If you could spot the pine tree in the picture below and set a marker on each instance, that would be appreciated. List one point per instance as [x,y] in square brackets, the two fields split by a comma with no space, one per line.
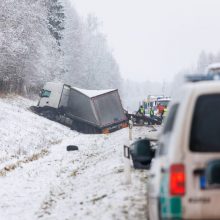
[56,19]
[29,53]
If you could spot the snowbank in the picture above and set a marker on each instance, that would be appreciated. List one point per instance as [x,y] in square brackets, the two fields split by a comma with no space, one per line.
[39,179]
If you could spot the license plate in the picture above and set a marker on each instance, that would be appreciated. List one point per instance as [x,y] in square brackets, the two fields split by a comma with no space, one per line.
[202,181]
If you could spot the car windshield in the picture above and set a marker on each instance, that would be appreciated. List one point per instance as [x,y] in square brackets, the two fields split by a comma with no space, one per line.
[205,131]
[164,103]
[45,93]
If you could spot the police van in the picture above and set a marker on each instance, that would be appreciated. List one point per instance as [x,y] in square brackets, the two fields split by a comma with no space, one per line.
[184,177]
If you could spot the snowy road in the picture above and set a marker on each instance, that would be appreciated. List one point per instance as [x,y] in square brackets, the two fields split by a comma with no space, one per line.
[39,179]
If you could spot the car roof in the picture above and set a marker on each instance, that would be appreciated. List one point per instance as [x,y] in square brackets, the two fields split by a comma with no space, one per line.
[197,88]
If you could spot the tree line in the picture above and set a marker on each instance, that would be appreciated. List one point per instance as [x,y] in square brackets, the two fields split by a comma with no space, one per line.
[43,40]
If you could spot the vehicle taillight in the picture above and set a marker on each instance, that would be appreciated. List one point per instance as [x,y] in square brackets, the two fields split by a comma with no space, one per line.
[177,180]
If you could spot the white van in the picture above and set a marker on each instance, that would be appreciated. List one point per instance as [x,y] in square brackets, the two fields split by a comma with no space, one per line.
[184,178]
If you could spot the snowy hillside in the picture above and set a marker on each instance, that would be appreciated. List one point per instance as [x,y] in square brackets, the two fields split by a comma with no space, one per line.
[39,179]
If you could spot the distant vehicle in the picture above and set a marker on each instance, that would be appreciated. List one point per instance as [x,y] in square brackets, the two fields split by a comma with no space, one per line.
[184,180]
[150,102]
[213,71]
[87,111]
[142,120]
[162,103]
[158,103]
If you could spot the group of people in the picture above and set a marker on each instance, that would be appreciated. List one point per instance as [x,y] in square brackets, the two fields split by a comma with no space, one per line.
[162,111]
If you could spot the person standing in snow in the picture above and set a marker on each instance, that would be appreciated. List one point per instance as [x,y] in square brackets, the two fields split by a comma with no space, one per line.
[165,111]
[141,110]
[151,112]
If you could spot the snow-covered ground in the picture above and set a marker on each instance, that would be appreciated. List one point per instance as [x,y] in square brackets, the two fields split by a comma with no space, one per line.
[39,179]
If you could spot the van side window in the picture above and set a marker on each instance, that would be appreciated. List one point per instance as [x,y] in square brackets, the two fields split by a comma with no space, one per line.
[170,119]
[168,127]
[205,129]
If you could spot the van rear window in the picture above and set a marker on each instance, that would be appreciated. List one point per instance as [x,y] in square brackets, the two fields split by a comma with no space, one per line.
[205,130]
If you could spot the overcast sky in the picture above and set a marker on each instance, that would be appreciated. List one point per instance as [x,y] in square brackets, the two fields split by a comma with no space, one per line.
[155,39]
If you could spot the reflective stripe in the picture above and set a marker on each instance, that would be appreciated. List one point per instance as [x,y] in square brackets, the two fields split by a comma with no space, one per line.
[142,110]
[170,206]
[165,112]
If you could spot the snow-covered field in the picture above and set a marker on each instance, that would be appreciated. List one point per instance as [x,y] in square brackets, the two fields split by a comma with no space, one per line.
[39,179]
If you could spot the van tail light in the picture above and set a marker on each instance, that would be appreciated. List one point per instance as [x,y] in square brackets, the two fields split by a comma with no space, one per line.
[177,180]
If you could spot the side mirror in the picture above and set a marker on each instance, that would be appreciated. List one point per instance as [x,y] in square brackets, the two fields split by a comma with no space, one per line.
[142,152]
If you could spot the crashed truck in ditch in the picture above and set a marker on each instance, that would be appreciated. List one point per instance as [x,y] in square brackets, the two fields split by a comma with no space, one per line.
[87,111]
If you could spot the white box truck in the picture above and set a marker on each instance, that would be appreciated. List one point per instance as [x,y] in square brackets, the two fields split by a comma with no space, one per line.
[87,111]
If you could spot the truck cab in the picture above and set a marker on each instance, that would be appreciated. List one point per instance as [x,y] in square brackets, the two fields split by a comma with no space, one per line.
[54,95]
[87,111]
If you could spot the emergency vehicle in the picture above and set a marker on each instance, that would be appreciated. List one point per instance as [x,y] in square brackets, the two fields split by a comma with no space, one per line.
[158,103]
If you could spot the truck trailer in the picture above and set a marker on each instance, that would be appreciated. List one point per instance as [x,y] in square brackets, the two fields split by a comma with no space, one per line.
[87,111]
